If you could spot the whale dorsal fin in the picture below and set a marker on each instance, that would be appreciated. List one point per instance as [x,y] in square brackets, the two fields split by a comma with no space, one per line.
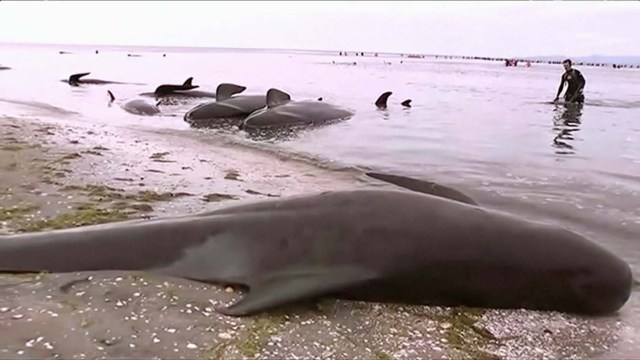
[406,103]
[76,77]
[276,97]
[187,83]
[226,90]
[381,103]
[111,97]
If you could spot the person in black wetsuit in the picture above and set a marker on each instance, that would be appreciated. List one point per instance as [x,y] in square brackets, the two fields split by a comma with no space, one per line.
[575,82]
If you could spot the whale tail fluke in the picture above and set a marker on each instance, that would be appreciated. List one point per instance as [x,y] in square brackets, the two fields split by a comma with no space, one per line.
[406,103]
[111,97]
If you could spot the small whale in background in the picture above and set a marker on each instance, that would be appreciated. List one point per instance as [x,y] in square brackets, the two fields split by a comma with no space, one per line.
[381,102]
[64,52]
[136,106]
[184,90]
[77,79]
[133,55]
[4,67]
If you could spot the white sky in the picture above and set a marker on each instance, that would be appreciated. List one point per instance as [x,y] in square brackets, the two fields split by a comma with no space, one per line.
[492,28]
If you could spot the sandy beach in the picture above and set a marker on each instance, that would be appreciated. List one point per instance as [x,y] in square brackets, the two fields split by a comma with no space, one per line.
[59,176]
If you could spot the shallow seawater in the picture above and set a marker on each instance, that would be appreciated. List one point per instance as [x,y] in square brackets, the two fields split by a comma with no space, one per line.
[477,126]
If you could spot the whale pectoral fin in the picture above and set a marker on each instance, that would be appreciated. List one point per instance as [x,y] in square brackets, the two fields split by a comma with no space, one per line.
[424,186]
[276,97]
[76,77]
[290,286]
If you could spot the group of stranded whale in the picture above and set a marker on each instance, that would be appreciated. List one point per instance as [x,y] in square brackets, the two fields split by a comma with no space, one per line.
[421,243]
[228,106]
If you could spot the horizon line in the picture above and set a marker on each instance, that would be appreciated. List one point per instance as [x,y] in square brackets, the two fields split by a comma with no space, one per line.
[537,57]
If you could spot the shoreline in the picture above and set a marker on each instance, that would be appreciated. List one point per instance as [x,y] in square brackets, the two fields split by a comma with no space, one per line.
[60,175]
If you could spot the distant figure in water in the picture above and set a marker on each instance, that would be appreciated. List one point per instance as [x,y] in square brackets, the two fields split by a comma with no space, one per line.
[96,51]
[575,81]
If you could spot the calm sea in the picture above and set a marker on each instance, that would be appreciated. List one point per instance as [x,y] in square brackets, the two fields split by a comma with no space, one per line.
[478,126]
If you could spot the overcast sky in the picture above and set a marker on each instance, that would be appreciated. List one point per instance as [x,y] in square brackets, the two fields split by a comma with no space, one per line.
[494,28]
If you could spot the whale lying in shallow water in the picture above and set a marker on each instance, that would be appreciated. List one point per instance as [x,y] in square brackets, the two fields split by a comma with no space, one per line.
[136,106]
[281,111]
[228,109]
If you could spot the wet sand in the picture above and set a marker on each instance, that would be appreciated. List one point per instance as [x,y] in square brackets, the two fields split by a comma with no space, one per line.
[56,176]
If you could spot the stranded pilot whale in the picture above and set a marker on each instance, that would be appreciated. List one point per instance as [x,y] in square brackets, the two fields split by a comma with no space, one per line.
[281,111]
[227,109]
[366,245]
[184,90]
[77,79]
[137,106]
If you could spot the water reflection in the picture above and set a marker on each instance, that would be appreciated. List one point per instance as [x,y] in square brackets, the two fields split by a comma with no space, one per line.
[566,121]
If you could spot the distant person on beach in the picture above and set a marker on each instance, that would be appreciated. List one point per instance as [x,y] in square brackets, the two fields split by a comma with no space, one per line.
[575,81]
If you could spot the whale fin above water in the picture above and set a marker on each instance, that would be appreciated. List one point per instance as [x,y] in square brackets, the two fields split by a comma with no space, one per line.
[111,97]
[170,88]
[406,103]
[381,103]
[293,285]
[424,186]
[276,97]
[76,77]
[187,83]
[225,90]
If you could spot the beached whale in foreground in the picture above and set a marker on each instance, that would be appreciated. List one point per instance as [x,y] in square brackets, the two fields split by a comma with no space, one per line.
[136,106]
[369,245]
[228,109]
[281,111]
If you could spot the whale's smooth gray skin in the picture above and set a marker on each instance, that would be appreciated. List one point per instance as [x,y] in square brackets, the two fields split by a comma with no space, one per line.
[281,111]
[186,90]
[423,186]
[369,245]
[228,109]
[78,79]
[136,106]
